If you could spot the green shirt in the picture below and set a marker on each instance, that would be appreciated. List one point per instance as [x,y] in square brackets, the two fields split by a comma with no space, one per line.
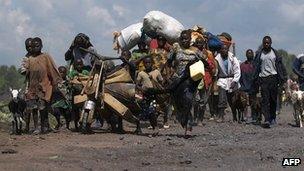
[73,73]
[136,55]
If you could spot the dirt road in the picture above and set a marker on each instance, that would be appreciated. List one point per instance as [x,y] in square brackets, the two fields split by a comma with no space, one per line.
[224,146]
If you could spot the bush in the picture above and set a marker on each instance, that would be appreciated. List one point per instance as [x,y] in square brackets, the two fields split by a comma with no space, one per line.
[5,115]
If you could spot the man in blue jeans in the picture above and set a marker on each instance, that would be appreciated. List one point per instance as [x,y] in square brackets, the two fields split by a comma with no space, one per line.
[270,73]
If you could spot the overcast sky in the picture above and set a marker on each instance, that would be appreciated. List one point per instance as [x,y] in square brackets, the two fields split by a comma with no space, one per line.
[58,21]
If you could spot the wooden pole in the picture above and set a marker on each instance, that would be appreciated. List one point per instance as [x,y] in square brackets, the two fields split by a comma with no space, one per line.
[99,78]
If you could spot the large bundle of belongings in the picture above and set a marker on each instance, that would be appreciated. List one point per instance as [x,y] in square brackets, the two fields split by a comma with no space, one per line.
[214,42]
[128,37]
[155,23]
[118,92]
[197,32]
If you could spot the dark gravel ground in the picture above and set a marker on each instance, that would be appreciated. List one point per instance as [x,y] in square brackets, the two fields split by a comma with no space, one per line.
[214,146]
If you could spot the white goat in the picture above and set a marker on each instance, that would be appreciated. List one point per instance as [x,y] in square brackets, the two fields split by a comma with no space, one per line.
[297,98]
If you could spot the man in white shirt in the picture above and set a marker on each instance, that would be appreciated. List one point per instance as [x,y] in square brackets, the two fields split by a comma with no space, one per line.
[270,73]
[229,74]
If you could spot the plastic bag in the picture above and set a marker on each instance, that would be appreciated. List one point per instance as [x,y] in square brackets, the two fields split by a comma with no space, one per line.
[128,37]
[214,43]
[158,23]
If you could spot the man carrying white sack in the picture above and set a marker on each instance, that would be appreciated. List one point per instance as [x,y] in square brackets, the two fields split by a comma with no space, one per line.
[229,74]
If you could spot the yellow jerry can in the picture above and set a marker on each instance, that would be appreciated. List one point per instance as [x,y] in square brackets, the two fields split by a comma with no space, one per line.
[197,70]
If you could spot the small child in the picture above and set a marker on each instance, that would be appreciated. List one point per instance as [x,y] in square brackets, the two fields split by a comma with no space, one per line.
[79,70]
[146,80]
[24,63]
[62,102]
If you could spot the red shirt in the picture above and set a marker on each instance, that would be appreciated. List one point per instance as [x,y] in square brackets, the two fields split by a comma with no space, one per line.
[154,45]
[210,71]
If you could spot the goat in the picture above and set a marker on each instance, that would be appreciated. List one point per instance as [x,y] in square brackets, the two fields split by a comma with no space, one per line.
[17,107]
[239,103]
[257,108]
[297,98]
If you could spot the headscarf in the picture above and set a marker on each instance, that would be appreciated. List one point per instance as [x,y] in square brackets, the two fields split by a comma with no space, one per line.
[226,38]
[84,37]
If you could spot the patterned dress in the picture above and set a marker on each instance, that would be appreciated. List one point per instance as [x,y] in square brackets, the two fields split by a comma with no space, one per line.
[184,92]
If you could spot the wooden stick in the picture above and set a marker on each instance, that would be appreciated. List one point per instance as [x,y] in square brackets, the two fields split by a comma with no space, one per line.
[98,82]
[90,76]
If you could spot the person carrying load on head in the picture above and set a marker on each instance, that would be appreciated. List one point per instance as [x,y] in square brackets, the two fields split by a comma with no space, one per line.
[180,58]
[74,52]
[204,88]
[213,46]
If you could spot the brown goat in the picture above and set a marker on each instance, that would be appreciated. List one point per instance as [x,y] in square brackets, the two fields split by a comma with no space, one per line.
[239,103]
[256,106]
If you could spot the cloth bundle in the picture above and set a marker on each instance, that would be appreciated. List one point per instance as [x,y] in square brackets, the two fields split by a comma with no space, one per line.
[128,37]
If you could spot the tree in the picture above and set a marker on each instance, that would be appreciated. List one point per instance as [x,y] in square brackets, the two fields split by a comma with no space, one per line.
[10,77]
[287,60]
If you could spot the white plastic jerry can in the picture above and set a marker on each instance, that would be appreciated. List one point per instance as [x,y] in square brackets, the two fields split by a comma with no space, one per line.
[197,70]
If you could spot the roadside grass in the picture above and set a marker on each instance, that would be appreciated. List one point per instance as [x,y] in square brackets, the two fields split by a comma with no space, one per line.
[5,115]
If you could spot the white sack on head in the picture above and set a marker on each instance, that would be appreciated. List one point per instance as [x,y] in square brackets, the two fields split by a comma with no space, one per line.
[128,37]
[159,23]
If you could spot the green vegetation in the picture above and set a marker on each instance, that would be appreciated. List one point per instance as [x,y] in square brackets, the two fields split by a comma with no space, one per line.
[5,116]
[10,77]
[287,60]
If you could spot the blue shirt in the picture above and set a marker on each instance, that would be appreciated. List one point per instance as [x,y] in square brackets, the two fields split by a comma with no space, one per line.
[225,62]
